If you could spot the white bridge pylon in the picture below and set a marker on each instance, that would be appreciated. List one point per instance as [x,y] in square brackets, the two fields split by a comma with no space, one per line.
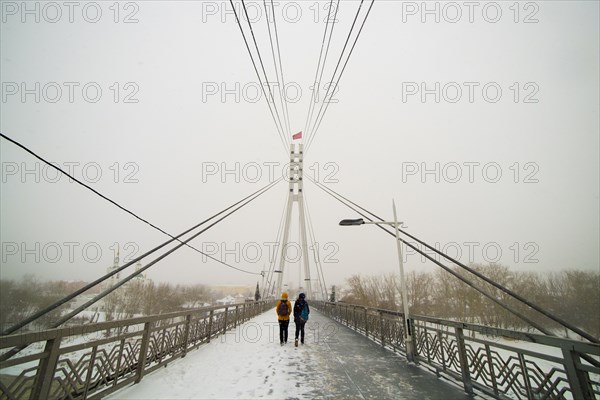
[295,195]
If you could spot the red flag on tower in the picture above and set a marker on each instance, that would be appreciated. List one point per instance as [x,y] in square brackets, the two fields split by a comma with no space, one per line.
[297,136]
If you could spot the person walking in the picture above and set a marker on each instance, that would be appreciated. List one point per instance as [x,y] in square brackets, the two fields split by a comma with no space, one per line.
[283,309]
[301,311]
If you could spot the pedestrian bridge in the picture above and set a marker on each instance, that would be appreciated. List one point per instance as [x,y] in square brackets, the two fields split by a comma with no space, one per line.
[350,352]
[248,362]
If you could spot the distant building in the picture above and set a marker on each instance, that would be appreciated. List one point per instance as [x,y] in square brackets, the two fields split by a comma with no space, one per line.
[141,277]
[194,304]
[233,289]
[113,280]
[227,301]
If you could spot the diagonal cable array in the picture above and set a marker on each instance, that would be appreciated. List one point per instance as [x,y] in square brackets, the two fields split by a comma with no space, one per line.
[342,200]
[335,80]
[313,240]
[311,125]
[322,60]
[109,290]
[250,198]
[273,263]
[272,108]
[132,262]
[270,98]
[117,204]
[348,203]
[278,65]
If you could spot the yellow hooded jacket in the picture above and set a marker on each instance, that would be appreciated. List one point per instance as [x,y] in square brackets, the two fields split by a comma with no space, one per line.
[284,297]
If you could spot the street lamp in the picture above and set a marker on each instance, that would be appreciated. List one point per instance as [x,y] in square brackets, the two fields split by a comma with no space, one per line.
[407,328]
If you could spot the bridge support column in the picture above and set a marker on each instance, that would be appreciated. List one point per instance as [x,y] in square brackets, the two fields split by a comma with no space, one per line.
[295,195]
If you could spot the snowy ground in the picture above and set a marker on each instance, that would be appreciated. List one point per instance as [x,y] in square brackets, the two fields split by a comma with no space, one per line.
[249,363]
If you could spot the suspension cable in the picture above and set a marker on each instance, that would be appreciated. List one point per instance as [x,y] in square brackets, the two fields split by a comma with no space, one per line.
[90,285]
[275,252]
[336,69]
[282,136]
[447,269]
[319,266]
[107,291]
[156,260]
[262,65]
[321,63]
[278,67]
[81,183]
[325,104]
[491,282]
[117,204]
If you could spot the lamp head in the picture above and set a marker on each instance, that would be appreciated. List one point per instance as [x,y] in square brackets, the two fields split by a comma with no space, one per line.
[349,222]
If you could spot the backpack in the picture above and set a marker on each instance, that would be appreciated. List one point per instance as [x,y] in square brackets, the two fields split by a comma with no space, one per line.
[283,309]
[304,312]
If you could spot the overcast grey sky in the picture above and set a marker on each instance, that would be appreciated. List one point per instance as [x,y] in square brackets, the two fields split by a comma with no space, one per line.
[482,125]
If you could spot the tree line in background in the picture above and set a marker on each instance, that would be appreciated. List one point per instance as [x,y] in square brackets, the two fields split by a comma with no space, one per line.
[149,298]
[19,299]
[571,295]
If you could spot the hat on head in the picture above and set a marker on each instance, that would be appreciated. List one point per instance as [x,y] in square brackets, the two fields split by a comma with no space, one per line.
[302,295]
[284,295]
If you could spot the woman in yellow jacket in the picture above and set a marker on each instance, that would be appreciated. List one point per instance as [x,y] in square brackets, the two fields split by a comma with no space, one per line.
[283,309]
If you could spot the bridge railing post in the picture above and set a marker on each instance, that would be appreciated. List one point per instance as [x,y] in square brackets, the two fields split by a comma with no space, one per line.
[139,373]
[427,347]
[119,360]
[526,382]
[381,328]
[210,325]
[578,379]
[366,322]
[440,336]
[490,362]
[464,361]
[225,320]
[45,374]
[410,345]
[90,371]
[162,351]
[186,333]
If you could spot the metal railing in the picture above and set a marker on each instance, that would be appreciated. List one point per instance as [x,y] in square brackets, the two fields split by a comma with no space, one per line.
[501,363]
[91,361]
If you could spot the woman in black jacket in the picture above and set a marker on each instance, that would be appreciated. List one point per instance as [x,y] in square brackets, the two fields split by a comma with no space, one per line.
[301,311]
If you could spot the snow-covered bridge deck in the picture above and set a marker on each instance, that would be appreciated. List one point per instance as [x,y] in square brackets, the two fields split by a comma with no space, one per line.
[248,363]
